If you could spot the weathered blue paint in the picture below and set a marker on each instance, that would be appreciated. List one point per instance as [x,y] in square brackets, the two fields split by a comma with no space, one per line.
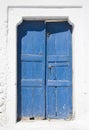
[31,36]
[44,69]
[59,70]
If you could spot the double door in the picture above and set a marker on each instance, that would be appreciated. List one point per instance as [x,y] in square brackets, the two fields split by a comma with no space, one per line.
[44,69]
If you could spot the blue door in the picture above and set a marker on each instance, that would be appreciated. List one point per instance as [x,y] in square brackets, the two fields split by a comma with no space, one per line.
[44,70]
[59,70]
[31,84]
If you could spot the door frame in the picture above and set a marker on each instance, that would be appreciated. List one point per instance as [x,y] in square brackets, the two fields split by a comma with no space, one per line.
[59,14]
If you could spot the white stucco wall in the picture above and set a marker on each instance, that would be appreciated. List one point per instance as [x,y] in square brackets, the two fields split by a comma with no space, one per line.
[11,13]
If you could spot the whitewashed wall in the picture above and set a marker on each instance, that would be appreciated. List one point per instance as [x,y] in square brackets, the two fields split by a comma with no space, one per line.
[11,12]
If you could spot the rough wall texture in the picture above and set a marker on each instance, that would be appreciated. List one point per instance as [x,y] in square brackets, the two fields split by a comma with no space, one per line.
[3,69]
[3,49]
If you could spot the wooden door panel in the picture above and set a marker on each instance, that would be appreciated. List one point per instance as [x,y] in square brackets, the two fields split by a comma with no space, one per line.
[59,70]
[31,84]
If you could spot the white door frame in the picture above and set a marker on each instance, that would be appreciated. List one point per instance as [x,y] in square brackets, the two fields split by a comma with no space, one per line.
[15,17]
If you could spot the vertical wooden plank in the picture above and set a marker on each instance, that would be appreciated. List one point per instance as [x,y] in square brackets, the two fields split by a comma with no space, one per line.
[59,44]
[64,103]
[26,92]
[50,74]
